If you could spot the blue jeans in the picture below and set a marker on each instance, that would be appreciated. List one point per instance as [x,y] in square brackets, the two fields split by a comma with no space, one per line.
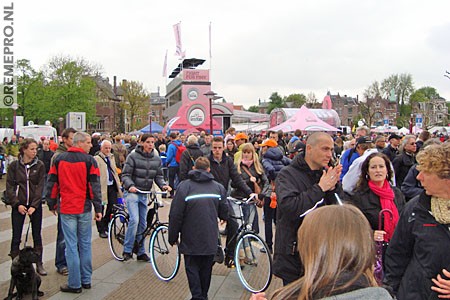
[77,235]
[137,210]
[60,254]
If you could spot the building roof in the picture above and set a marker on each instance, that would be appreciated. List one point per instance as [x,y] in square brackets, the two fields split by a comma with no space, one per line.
[189,63]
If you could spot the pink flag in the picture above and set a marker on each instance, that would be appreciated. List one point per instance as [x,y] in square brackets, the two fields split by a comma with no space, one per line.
[165,66]
[177,32]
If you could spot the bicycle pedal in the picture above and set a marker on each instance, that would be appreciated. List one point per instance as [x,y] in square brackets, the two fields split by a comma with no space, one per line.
[160,204]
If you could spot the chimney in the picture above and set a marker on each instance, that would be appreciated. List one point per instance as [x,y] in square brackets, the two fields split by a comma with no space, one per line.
[115,84]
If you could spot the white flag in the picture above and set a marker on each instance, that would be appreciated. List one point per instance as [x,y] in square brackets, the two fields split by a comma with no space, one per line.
[177,32]
[165,66]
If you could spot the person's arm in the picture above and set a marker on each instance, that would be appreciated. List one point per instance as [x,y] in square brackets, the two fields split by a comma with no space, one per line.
[176,213]
[11,184]
[36,199]
[351,178]
[400,250]
[236,178]
[94,182]
[127,172]
[223,204]
[171,152]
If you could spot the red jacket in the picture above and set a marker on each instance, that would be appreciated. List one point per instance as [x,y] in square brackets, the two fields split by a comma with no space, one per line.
[75,177]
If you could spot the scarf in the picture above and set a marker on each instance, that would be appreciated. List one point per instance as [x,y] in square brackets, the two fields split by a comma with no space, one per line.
[247,163]
[386,195]
[440,208]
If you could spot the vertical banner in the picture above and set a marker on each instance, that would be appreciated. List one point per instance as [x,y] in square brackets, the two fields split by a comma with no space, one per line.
[8,91]
[164,74]
[177,31]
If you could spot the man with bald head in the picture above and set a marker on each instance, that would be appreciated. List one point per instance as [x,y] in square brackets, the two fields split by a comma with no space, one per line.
[305,184]
[109,183]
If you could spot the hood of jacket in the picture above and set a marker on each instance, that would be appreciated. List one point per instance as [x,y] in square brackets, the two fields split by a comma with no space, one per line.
[32,163]
[194,146]
[274,153]
[200,176]
[139,149]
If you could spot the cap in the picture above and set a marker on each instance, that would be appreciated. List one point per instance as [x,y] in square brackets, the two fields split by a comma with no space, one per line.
[299,147]
[394,136]
[363,140]
[241,136]
[268,143]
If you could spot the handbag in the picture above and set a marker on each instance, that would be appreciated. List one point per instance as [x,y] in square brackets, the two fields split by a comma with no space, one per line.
[5,198]
[257,189]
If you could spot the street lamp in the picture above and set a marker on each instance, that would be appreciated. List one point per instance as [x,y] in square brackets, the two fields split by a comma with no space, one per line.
[14,106]
[211,96]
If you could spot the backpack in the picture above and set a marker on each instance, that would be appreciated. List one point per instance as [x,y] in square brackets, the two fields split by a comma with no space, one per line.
[180,150]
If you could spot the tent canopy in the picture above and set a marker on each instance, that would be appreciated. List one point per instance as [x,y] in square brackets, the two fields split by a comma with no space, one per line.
[155,128]
[304,120]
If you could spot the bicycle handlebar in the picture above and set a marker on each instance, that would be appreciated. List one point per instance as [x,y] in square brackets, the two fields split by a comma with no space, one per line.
[151,192]
[244,200]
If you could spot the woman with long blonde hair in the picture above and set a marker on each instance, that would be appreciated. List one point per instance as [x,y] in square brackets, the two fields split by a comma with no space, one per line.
[252,172]
[337,250]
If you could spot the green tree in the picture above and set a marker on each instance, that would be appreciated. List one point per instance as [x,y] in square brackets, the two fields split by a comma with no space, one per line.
[403,87]
[253,108]
[136,103]
[297,100]
[276,101]
[373,91]
[64,85]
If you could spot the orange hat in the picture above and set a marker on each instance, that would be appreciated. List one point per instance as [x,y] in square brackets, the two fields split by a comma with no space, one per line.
[269,143]
[241,136]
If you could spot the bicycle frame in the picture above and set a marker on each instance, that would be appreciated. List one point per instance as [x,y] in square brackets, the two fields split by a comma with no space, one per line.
[245,225]
[151,198]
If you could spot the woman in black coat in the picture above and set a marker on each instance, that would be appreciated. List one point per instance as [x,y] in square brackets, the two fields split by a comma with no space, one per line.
[374,193]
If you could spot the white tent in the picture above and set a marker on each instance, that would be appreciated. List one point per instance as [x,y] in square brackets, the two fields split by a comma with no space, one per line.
[403,131]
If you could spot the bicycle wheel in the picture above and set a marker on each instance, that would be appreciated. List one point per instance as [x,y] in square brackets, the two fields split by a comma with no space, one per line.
[117,228]
[165,259]
[255,271]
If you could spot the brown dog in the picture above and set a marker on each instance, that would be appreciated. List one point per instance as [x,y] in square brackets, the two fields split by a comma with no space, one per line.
[23,275]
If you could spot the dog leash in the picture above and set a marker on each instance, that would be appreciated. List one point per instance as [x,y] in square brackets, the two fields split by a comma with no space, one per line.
[28,230]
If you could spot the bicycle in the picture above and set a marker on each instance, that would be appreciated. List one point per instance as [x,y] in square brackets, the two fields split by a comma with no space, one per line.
[164,258]
[251,249]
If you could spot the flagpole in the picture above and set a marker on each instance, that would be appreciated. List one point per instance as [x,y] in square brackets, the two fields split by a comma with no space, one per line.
[210,56]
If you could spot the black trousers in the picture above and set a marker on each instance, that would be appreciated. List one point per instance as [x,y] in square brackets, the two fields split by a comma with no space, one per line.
[198,271]
[174,172]
[17,221]
[269,218]
[102,225]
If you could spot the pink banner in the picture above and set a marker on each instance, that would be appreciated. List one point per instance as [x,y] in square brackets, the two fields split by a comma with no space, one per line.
[177,32]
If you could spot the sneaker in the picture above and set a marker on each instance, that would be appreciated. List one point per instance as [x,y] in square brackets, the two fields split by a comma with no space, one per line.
[143,257]
[127,256]
[63,271]
[103,235]
[66,289]
[86,286]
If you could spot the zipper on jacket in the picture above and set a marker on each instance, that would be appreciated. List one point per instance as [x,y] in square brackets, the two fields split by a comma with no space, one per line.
[27,172]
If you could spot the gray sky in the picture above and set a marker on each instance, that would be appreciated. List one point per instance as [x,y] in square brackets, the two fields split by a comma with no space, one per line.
[258,47]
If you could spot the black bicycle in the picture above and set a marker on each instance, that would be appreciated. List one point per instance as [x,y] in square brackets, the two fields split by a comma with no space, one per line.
[251,253]
[164,258]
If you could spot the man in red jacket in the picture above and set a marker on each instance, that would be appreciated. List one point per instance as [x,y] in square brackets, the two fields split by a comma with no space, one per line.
[74,176]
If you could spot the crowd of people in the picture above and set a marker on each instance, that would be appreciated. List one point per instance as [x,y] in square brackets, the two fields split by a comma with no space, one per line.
[395,191]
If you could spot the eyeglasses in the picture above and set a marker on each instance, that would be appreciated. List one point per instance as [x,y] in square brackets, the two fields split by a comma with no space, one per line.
[412,144]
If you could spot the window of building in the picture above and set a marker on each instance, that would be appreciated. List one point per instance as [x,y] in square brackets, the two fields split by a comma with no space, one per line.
[350,110]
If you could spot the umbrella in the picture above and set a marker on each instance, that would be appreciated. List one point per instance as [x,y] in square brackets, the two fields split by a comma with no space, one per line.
[378,271]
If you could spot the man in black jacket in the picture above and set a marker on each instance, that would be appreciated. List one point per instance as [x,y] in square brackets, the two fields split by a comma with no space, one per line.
[223,169]
[189,156]
[301,187]
[199,201]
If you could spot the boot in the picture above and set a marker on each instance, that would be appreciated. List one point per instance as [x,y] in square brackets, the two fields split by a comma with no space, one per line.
[39,265]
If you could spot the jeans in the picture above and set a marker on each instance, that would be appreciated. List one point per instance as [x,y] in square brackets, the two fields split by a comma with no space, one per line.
[17,220]
[137,210]
[77,234]
[60,254]
[173,175]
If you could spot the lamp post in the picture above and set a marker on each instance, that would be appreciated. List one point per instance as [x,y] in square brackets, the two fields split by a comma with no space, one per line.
[211,96]
[60,119]
[14,106]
